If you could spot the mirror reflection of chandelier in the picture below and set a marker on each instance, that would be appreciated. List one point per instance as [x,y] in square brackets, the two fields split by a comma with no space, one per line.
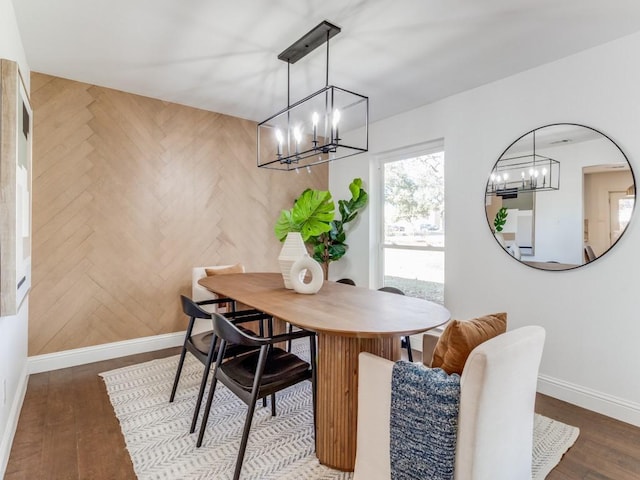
[327,125]
[529,172]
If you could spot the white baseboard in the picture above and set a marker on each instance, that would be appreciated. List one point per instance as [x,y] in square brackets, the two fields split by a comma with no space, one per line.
[12,422]
[599,402]
[98,353]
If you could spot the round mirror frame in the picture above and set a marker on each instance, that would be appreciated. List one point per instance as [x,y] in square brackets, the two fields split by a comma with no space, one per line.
[490,187]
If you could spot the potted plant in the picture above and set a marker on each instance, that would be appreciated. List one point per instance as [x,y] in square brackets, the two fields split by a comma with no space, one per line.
[330,246]
[312,216]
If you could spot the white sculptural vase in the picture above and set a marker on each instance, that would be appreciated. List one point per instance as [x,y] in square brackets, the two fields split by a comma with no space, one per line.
[292,250]
[306,265]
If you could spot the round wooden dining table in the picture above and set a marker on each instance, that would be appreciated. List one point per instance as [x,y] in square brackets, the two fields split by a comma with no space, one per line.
[347,320]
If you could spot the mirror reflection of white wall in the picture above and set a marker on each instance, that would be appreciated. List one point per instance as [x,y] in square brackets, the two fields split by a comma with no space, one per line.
[561,214]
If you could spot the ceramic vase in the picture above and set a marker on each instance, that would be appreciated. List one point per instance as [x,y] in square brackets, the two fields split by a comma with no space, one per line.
[302,266]
[292,250]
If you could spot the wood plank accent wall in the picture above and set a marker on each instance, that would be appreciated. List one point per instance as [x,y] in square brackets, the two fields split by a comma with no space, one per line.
[130,193]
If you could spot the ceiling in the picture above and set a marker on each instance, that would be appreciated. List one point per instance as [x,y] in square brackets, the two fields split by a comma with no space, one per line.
[222,55]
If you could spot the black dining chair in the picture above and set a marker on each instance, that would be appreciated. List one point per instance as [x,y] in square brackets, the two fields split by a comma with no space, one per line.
[406,340]
[204,346]
[257,374]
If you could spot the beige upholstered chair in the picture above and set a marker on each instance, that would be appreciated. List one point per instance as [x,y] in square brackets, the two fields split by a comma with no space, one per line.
[198,292]
[495,421]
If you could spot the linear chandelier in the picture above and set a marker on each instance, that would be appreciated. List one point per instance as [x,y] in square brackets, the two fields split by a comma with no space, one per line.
[524,173]
[327,125]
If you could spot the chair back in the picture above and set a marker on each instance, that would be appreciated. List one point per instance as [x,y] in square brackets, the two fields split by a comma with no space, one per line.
[495,421]
[198,292]
[346,281]
[190,309]
[498,391]
[229,333]
[391,290]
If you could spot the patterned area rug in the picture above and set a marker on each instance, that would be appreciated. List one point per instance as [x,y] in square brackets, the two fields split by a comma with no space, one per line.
[157,438]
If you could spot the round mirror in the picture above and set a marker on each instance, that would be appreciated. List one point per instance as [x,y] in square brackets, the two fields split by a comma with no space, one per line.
[560,196]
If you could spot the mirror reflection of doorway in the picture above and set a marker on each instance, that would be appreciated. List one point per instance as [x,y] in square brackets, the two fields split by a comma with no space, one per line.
[607,207]
[620,209]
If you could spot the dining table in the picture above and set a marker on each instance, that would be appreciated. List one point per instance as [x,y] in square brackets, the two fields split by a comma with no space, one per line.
[347,320]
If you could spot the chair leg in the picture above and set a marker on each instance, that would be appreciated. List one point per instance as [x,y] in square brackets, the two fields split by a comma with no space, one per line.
[203,383]
[207,409]
[178,372]
[407,339]
[245,437]
[273,405]
[289,331]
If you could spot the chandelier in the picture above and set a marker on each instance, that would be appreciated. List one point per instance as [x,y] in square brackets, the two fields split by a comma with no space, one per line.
[327,125]
[529,172]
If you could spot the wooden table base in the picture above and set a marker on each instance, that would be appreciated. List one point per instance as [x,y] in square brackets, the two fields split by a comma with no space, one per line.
[337,413]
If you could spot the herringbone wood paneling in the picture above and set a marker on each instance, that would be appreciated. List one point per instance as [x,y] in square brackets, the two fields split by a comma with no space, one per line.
[129,193]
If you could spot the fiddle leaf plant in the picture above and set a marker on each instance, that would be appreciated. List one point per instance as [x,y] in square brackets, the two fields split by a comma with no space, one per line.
[330,245]
[500,219]
[311,215]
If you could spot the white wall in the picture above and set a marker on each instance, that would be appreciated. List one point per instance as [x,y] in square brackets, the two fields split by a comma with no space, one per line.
[13,330]
[591,314]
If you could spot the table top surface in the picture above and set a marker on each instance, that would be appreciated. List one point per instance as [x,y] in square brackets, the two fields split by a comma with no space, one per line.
[337,308]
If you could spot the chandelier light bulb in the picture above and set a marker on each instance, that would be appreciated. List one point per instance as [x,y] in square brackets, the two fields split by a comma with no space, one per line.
[279,139]
[297,134]
[314,119]
[336,118]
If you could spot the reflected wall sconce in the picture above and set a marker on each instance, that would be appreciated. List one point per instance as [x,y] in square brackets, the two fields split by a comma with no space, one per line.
[524,173]
[327,125]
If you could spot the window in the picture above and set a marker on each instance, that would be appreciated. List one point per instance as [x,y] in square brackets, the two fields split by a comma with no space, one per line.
[413,224]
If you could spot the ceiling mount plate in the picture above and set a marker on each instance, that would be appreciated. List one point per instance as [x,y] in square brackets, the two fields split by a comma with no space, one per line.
[309,42]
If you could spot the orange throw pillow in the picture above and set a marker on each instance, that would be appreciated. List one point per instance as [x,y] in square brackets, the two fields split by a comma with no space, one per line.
[460,337]
[237,268]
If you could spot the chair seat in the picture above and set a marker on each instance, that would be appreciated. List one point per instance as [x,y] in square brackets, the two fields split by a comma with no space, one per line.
[202,342]
[280,365]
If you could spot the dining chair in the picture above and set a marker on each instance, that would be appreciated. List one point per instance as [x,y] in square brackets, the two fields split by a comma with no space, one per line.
[204,345]
[589,254]
[406,340]
[257,374]
[495,417]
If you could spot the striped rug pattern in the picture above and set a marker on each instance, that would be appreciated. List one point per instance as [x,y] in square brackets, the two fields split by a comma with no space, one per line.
[282,447]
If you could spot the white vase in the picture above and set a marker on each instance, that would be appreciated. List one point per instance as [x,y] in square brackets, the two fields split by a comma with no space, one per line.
[303,265]
[292,250]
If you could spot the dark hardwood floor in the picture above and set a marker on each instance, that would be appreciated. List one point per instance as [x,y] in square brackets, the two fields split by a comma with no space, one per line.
[67,430]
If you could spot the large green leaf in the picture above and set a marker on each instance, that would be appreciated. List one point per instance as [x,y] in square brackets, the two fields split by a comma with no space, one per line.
[284,225]
[313,212]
